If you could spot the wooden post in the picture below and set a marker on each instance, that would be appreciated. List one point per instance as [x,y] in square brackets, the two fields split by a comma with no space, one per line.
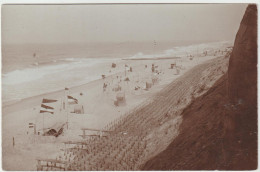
[13,142]
[42,123]
[39,166]
[125,71]
[67,92]
[84,134]
[34,129]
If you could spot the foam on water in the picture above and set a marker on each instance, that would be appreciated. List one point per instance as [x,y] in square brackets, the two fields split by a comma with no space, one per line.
[37,72]
[30,74]
[45,78]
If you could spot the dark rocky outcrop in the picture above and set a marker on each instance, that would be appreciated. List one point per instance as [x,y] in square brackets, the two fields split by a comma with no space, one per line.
[219,129]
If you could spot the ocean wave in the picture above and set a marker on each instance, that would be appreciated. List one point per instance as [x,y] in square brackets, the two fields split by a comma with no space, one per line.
[69,59]
[19,76]
[183,50]
[48,68]
[33,81]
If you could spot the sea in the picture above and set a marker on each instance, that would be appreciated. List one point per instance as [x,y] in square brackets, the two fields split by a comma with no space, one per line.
[33,69]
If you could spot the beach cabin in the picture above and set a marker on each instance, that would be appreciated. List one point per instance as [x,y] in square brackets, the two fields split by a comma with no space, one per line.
[229,48]
[120,99]
[173,65]
[118,88]
[148,85]
[113,65]
[177,71]
[78,109]
[137,87]
[153,68]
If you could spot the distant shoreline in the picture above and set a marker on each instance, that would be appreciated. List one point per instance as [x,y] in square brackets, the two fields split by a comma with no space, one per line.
[156,58]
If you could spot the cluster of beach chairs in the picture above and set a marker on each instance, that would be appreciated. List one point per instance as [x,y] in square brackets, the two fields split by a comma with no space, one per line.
[105,153]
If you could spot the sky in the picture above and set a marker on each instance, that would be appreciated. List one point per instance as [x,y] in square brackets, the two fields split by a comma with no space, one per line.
[57,24]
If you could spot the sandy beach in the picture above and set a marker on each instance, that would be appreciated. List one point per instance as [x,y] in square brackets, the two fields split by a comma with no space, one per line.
[99,108]
[129,87]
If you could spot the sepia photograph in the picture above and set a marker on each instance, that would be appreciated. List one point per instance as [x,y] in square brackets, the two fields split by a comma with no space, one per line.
[129,86]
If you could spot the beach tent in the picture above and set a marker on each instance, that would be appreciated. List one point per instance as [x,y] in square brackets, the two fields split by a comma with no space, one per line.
[113,65]
[120,99]
[54,130]
[118,88]
[78,109]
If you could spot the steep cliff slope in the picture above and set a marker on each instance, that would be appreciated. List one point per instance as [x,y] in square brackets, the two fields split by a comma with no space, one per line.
[219,129]
[242,71]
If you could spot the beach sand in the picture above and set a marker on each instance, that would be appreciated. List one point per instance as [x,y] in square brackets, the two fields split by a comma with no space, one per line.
[99,110]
